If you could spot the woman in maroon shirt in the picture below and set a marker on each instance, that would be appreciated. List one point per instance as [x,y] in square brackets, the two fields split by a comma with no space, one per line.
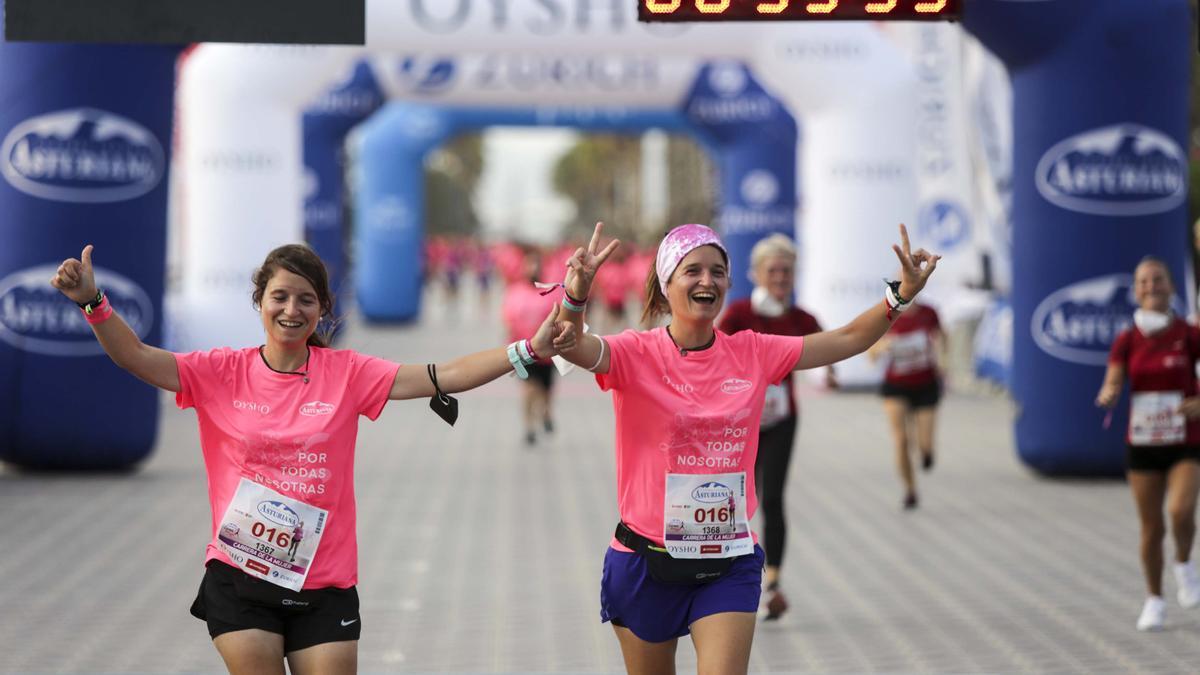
[1159,353]
[769,309]
[912,388]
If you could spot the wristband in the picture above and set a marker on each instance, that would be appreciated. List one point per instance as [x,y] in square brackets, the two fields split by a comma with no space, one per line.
[517,363]
[600,358]
[571,304]
[533,356]
[525,351]
[96,313]
[94,302]
[892,298]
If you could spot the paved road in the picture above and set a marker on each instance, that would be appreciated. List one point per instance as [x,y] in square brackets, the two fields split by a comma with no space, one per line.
[479,555]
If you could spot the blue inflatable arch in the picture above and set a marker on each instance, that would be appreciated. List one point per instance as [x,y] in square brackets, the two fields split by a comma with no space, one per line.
[749,134]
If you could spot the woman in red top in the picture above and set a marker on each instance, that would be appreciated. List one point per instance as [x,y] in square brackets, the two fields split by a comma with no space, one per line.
[769,309]
[912,387]
[1159,353]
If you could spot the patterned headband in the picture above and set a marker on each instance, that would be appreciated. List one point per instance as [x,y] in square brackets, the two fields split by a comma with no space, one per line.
[677,244]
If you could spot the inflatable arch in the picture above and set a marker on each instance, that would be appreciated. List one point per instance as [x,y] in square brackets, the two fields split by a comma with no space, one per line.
[242,185]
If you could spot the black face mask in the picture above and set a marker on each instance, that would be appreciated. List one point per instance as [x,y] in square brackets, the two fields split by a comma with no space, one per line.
[442,404]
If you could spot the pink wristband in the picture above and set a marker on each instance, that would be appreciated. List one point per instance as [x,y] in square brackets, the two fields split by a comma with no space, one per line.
[529,348]
[99,314]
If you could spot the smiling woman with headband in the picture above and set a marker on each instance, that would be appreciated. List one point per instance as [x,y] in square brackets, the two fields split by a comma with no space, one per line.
[688,402]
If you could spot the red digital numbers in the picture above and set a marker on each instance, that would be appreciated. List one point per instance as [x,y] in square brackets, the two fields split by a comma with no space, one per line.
[279,538]
[718,10]
[713,515]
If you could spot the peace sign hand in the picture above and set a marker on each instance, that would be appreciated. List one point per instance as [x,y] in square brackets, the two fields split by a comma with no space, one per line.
[582,265]
[915,266]
[75,278]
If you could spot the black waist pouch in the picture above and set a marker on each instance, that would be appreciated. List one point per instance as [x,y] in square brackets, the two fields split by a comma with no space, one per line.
[665,569]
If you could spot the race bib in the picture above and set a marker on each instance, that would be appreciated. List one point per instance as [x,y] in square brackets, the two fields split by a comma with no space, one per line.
[1154,418]
[704,516]
[775,405]
[270,536]
[911,353]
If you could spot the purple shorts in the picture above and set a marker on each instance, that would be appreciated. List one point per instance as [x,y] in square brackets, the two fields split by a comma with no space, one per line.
[657,612]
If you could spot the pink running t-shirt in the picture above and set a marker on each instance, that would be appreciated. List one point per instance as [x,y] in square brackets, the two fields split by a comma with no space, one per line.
[295,438]
[693,414]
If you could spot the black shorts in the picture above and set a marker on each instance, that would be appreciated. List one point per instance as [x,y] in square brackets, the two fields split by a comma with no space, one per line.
[231,600]
[1159,457]
[921,396]
[542,374]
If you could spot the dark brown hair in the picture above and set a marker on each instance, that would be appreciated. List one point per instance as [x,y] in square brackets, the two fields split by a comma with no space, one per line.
[300,260]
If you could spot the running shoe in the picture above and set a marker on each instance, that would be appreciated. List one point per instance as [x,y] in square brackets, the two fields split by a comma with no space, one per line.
[910,501]
[1154,614]
[927,462]
[548,425]
[1189,585]
[530,438]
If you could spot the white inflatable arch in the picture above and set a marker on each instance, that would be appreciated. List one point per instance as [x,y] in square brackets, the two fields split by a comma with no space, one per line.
[861,96]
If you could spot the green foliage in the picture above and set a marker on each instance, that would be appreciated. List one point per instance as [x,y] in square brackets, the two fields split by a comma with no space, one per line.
[451,174]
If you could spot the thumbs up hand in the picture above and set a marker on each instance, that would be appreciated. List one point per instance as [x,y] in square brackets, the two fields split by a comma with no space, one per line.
[75,278]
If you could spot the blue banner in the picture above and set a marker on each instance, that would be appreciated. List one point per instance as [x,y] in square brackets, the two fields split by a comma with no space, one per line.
[325,125]
[86,139]
[1100,97]
[755,141]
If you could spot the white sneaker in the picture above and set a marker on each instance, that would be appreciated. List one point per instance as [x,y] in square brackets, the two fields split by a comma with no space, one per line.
[1189,585]
[1154,614]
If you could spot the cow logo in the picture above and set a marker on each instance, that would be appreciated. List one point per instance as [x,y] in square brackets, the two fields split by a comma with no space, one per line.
[1077,323]
[82,155]
[943,223]
[760,188]
[727,78]
[35,317]
[1119,170]
[425,74]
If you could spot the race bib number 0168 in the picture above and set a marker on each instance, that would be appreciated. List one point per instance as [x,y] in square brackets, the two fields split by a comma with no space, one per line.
[704,516]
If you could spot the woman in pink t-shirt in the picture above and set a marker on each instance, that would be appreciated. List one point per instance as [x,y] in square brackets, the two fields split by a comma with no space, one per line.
[278,425]
[688,402]
[524,306]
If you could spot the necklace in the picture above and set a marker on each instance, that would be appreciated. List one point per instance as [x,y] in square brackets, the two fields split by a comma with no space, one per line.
[301,373]
[683,351]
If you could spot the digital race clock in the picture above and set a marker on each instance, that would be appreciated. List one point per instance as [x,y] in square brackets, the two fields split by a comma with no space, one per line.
[799,10]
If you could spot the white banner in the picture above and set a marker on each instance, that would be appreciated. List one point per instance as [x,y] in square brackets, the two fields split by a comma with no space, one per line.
[853,92]
[239,191]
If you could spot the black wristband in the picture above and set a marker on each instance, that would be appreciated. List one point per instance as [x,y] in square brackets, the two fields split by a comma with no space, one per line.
[94,302]
[573,300]
[895,286]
